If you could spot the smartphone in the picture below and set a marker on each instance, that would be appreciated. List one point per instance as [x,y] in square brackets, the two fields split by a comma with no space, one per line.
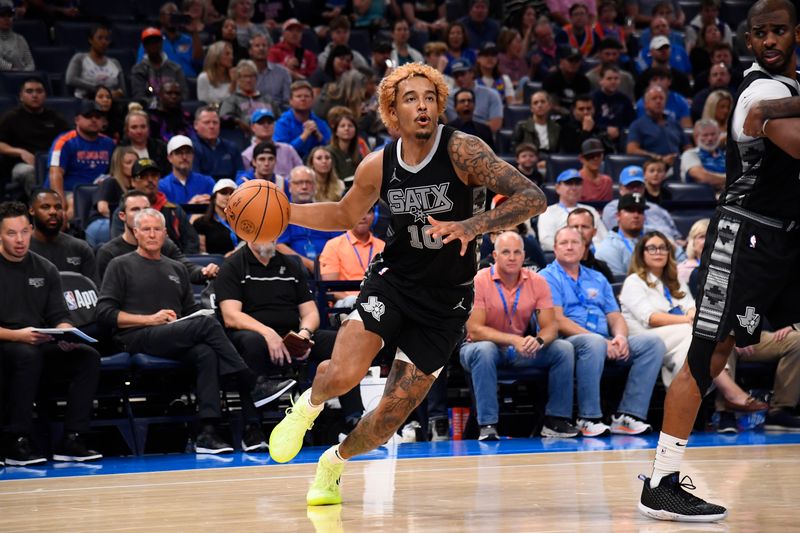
[179,19]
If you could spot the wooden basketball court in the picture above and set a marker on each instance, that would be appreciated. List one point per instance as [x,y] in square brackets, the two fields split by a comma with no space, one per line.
[485,491]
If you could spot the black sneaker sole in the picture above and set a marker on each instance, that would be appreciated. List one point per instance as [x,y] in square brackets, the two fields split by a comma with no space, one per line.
[274,396]
[77,459]
[26,462]
[660,514]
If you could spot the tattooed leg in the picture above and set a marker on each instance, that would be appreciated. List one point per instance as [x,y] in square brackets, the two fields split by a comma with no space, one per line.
[406,387]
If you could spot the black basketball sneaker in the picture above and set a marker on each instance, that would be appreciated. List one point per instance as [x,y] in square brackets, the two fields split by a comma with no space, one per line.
[670,501]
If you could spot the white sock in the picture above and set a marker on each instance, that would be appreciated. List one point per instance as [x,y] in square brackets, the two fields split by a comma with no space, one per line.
[669,455]
[314,407]
[332,455]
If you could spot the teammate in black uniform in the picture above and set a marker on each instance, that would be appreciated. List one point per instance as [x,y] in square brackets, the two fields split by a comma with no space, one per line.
[419,293]
[751,262]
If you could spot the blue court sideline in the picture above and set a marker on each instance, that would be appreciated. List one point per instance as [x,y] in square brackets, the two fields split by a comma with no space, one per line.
[173,462]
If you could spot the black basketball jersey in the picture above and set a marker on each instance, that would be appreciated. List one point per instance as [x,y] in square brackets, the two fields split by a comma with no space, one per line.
[412,193]
[762,178]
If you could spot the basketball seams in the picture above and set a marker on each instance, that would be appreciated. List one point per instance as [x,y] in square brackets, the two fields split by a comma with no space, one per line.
[263,212]
[244,208]
[243,221]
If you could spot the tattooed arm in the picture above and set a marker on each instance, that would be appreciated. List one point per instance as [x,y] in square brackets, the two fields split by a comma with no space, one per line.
[768,110]
[477,165]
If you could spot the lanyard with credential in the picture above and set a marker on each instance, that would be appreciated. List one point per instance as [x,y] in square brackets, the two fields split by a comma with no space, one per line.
[574,284]
[358,256]
[503,299]
[625,240]
[667,295]
[234,237]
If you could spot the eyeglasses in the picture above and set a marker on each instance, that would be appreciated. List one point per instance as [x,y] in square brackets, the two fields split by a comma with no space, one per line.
[656,250]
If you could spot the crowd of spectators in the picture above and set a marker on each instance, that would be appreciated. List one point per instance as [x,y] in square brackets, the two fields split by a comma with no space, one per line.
[606,104]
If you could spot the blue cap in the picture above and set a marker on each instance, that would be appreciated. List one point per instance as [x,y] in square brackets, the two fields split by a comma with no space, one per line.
[567,175]
[631,174]
[258,114]
[460,65]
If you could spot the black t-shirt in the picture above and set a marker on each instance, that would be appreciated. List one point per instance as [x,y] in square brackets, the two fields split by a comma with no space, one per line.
[143,286]
[270,294]
[425,10]
[108,191]
[68,254]
[557,85]
[218,237]
[30,293]
[118,246]
[34,132]
[663,196]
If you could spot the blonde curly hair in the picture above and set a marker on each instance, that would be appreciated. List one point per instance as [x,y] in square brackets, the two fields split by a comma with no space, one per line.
[387,90]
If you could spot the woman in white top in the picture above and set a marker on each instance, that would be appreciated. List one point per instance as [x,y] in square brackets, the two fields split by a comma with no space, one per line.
[87,71]
[694,249]
[653,301]
[214,83]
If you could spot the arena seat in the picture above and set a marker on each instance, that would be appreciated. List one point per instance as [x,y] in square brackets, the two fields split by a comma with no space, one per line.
[127,36]
[502,142]
[558,163]
[53,59]
[684,218]
[83,196]
[614,163]
[360,42]
[34,31]
[73,34]
[690,193]
[734,11]
[691,8]
[11,80]
[528,89]
[514,114]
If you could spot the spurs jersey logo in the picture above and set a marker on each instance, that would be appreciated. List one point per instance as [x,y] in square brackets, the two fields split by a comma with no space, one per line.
[374,307]
[36,282]
[420,201]
[74,261]
[174,279]
[750,319]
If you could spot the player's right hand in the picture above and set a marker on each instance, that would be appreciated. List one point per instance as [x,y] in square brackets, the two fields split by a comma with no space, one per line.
[28,336]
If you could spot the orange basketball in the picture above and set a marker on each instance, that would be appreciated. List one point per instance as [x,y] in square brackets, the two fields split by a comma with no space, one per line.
[258,211]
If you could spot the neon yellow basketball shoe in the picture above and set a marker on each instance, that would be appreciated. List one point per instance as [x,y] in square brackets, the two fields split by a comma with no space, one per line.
[326,488]
[286,439]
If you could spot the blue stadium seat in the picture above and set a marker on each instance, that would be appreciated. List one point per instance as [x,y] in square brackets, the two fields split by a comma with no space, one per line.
[7,102]
[146,362]
[528,90]
[11,81]
[118,362]
[418,39]
[42,167]
[691,192]
[502,142]
[734,11]
[53,59]
[127,36]
[235,136]
[514,114]
[34,31]
[684,218]
[691,8]
[123,10]
[310,41]
[126,58]
[558,163]
[82,198]
[66,105]
[206,259]
[73,34]
[360,42]
[191,83]
[192,105]
[614,163]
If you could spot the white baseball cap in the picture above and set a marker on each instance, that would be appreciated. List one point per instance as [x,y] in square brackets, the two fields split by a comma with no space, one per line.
[658,41]
[224,183]
[179,141]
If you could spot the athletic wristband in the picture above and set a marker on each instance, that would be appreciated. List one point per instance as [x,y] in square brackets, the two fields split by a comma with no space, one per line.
[764,126]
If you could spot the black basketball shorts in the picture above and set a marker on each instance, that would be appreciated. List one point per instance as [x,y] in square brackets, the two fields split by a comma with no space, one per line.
[426,323]
[750,270]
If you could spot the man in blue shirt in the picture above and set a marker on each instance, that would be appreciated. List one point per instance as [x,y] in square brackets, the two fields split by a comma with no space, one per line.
[213,156]
[299,126]
[184,49]
[655,135]
[296,240]
[617,248]
[184,186]
[480,28]
[588,317]
[80,155]
[676,107]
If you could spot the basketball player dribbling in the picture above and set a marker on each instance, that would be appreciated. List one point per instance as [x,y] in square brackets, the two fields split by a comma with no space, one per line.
[751,261]
[417,294]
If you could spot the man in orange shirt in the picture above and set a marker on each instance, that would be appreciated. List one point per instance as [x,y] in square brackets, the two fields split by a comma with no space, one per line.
[347,256]
[597,187]
[513,324]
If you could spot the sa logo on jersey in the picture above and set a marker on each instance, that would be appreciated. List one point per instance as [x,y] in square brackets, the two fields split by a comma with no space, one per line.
[430,199]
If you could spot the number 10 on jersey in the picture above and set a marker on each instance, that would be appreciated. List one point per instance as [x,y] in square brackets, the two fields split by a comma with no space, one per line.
[426,241]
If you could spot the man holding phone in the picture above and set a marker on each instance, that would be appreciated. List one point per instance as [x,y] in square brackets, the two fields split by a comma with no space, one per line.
[185,49]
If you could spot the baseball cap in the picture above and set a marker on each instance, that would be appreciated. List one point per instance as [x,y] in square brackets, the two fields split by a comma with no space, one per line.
[460,65]
[258,114]
[224,183]
[6,10]
[592,146]
[89,107]
[658,41]
[382,46]
[568,52]
[292,22]
[569,175]
[264,147]
[488,49]
[632,201]
[631,174]
[609,42]
[147,33]
[179,141]
[143,165]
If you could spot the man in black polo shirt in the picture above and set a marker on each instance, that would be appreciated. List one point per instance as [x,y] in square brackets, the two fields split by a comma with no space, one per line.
[31,297]
[66,252]
[131,203]
[144,295]
[28,129]
[263,295]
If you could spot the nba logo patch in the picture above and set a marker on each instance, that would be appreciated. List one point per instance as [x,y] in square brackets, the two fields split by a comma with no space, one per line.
[69,297]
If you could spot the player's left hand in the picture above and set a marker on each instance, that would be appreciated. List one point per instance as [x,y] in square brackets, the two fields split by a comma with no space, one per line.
[450,231]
